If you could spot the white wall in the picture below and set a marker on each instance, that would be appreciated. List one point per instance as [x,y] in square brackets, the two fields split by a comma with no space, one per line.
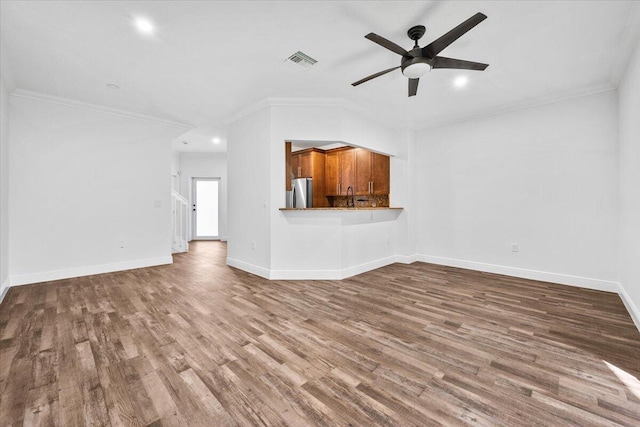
[308,244]
[545,178]
[248,174]
[175,168]
[629,158]
[81,180]
[4,187]
[206,165]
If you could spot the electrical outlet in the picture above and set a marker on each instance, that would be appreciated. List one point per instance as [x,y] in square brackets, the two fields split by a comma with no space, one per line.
[514,247]
[121,243]
[157,204]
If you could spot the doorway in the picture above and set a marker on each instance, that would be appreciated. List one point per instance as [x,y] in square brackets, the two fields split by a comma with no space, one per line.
[205,206]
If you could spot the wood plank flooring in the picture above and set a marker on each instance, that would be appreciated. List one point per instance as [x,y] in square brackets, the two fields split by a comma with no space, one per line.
[199,343]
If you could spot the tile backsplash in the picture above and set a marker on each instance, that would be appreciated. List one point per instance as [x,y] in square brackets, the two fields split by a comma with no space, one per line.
[368,201]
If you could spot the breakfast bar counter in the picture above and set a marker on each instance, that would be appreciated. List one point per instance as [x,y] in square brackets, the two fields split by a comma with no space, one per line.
[368,208]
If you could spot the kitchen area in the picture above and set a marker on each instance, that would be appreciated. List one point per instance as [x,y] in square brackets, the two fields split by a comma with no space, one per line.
[335,176]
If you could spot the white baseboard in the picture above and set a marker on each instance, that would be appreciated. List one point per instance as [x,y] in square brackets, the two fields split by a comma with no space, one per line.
[249,268]
[407,259]
[367,266]
[47,276]
[331,274]
[543,276]
[305,275]
[3,289]
[629,304]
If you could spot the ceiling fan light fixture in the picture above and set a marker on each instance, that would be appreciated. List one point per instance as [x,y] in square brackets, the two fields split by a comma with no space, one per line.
[416,70]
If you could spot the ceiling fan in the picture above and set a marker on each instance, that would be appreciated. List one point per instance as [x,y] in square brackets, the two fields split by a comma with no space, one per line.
[416,62]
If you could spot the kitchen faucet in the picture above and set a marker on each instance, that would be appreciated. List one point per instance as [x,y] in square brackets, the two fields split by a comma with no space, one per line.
[353,202]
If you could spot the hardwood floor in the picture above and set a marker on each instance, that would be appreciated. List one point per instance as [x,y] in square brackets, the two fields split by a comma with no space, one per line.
[199,343]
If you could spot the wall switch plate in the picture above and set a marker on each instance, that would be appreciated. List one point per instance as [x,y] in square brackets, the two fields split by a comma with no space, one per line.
[157,203]
[253,245]
[514,247]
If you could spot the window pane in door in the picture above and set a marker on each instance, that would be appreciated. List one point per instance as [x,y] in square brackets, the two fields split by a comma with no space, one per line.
[207,208]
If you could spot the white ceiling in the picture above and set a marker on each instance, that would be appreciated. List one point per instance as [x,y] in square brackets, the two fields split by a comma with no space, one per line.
[211,59]
[201,140]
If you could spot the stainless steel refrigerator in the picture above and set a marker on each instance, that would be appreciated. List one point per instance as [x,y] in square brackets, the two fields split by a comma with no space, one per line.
[301,193]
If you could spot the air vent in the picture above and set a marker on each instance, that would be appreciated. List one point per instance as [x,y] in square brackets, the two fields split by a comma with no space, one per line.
[301,60]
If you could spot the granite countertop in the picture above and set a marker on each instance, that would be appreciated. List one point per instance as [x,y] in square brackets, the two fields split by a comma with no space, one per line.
[367,208]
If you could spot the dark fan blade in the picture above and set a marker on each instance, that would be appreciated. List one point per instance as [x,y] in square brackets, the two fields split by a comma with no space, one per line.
[413,86]
[442,62]
[373,76]
[437,46]
[386,43]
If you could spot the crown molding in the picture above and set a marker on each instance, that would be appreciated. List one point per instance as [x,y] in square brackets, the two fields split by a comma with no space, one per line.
[246,111]
[307,102]
[51,99]
[6,75]
[313,102]
[626,44]
[523,105]
[283,102]
[367,113]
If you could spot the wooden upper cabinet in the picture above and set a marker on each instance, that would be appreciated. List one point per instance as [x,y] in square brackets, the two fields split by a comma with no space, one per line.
[367,172]
[306,169]
[372,173]
[340,167]
[363,171]
[317,173]
[380,174]
[347,170]
[288,172]
[295,165]
[310,163]
[332,173]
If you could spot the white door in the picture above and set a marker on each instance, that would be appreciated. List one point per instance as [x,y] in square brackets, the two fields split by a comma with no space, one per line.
[205,205]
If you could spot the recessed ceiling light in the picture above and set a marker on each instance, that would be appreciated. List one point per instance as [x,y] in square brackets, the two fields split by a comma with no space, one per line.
[216,140]
[461,81]
[145,26]
[113,86]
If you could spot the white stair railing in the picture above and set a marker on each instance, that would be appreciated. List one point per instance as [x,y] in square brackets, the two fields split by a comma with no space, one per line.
[180,209]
